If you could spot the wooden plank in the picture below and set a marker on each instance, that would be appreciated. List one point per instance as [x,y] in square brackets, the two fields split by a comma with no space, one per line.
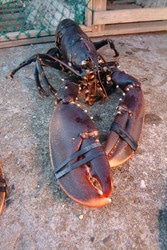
[11,3]
[88,14]
[99,5]
[28,34]
[121,5]
[13,36]
[121,2]
[10,17]
[12,25]
[31,38]
[10,10]
[27,41]
[110,30]
[131,28]
[86,28]
[129,16]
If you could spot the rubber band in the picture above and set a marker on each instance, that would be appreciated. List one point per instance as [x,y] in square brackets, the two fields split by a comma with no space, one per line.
[77,164]
[117,128]
[3,188]
[59,172]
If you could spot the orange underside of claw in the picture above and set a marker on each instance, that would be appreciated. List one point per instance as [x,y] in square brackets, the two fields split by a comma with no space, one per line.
[84,195]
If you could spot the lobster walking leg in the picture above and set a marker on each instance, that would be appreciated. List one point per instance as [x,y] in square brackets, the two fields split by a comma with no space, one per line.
[104,42]
[126,128]
[39,71]
[76,155]
[48,60]
[44,59]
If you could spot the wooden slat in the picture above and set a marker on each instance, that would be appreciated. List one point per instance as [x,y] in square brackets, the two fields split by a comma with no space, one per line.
[129,16]
[32,34]
[114,29]
[121,5]
[88,14]
[131,28]
[28,34]
[9,17]
[10,3]
[122,2]
[23,39]
[26,41]
[10,10]
[99,5]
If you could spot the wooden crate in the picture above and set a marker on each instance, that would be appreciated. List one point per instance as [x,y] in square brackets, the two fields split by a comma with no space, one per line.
[102,19]
[124,18]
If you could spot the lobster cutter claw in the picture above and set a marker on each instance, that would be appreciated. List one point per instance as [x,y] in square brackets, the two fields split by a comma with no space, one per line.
[78,159]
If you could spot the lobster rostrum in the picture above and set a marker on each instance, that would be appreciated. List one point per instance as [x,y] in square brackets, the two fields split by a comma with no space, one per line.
[81,164]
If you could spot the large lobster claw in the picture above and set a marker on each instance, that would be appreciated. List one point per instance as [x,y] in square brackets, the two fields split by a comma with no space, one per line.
[77,157]
[126,129]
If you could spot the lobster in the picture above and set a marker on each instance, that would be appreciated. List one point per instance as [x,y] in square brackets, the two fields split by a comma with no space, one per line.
[81,164]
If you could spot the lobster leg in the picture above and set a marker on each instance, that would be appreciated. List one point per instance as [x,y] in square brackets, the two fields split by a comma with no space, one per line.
[104,42]
[40,60]
[47,60]
[52,62]
[126,128]
[48,57]
[76,155]
[39,70]
[41,90]
[54,52]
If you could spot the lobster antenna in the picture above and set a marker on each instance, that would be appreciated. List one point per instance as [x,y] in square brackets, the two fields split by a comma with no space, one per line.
[65,65]
[101,84]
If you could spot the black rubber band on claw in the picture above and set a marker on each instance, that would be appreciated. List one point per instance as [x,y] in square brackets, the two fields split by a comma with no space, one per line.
[3,188]
[117,128]
[61,171]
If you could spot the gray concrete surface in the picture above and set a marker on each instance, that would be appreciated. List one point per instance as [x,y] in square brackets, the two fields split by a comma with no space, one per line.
[38,214]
